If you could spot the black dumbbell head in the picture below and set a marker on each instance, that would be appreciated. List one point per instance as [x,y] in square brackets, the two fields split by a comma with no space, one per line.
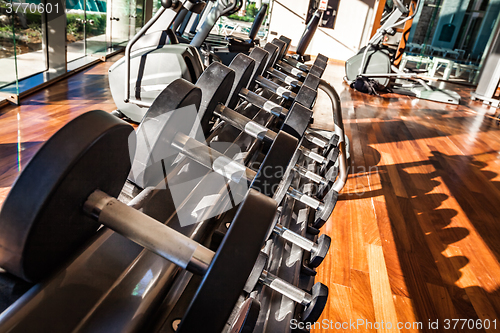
[322,57]
[243,67]
[167,117]
[316,70]
[258,268]
[275,164]
[286,179]
[306,96]
[331,158]
[261,57]
[312,81]
[330,176]
[282,47]
[319,255]
[215,83]
[329,202]
[313,311]
[273,54]
[233,263]
[42,222]
[297,120]
[246,319]
[287,41]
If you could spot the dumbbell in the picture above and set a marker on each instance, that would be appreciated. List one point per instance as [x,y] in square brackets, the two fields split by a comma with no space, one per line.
[320,62]
[313,302]
[68,190]
[214,83]
[306,96]
[330,148]
[170,135]
[315,70]
[237,172]
[296,120]
[264,134]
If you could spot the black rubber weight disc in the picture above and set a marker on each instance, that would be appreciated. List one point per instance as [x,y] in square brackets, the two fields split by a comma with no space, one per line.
[229,270]
[275,164]
[41,222]
[247,317]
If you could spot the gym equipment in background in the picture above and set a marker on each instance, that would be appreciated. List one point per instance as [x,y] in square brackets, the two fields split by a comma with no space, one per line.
[150,63]
[490,74]
[372,70]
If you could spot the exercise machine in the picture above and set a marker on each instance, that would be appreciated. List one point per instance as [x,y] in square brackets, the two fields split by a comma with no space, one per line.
[152,60]
[372,69]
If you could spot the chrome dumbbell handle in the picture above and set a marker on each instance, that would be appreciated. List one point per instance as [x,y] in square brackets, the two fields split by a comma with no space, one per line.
[310,175]
[148,232]
[312,155]
[295,238]
[306,199]
[295,294]
[212,159]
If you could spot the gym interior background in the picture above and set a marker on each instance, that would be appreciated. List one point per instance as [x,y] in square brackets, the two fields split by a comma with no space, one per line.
[414,236]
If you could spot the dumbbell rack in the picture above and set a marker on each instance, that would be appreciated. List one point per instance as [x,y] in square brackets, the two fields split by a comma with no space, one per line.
[294,216]
[112,270]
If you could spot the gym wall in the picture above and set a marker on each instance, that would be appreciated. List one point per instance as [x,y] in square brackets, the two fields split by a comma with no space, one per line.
[352,28]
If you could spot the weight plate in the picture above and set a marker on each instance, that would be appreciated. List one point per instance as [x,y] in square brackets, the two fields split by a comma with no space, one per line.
[329,201]
[167,116]
[42,222]
[243,66]
[260,56]
[275,164]
[215,83]
[247,317]
[231,266]
[287,178]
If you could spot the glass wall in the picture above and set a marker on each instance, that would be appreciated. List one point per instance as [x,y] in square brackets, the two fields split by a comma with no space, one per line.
[85,28]
[240,22]
[449,37]
[21,39]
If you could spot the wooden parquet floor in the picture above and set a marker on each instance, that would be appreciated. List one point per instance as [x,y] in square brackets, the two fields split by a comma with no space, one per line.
[416,231]
[23,129]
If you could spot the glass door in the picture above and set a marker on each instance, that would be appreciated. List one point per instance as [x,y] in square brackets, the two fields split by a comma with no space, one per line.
[136,16]
[85,28]
[119,23]
[75,29]
[95,27]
